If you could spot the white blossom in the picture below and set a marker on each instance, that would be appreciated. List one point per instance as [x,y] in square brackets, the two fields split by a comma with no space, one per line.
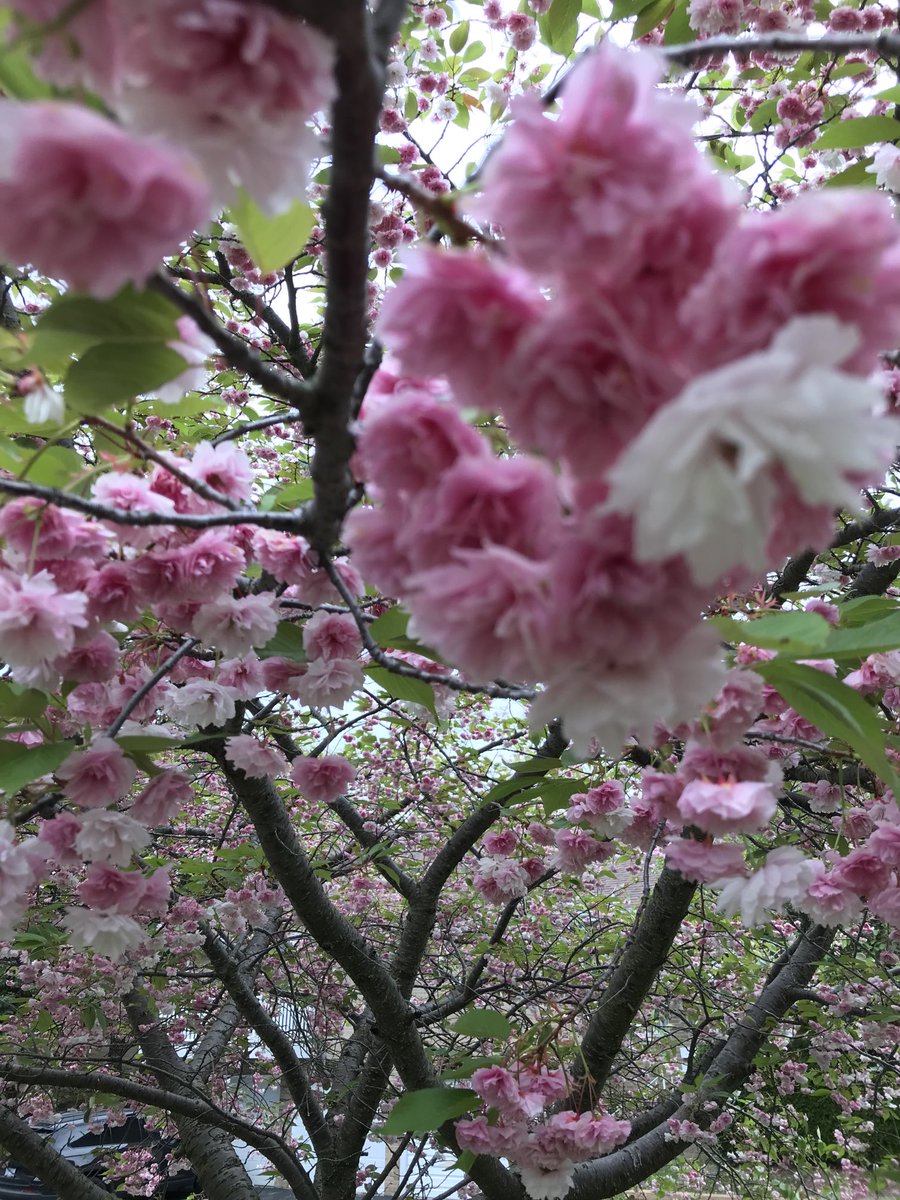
[886,167]
[109,934]
[784,878]
[703,477]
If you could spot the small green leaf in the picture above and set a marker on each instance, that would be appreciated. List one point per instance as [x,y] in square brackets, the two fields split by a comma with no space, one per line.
[791,633]
[837,710]
[389,631]
[402,687]
[764,115]
[622,9]
[483,1023]
[272,241]
[469,1064]
[856,132]
[856,175]
[128,317]
[654,14]
[115,372]
[862,640]
[428,1109]
[20,764]
[865,609]
[557,793]
[560,26]
[56,466]
[287,643]
[17,78]
[678,27]
[459,37]
[22,702]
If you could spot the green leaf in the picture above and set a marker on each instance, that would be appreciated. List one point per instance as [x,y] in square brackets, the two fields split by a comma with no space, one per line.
[128,317]
[483,1023]
[17,79]
[764,115]
[469,1064]
[389,630]
[791,633]
[864,609]
[856,175]
[272,241]
[428,1109]
[863,640]
[847,69]
[623,9]
[560,26]
[115,372]
[837,710]
[557,793]
[20,764]
[402,687]
[22,702]
[473,53]
[57,466]
[287,643]
[856,132]
[654,14]
[459,37]
[678,27]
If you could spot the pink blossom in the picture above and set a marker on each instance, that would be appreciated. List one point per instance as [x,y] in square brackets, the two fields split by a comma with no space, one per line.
[727,806]
[578,385]
[704,759]
[329,682]
[200,702]
[130,493]
[35,529]
[633,698]
[331,635]
[94,661]
[830,902]
[322,779]
[109,888]
[660,791]
[98,775]
[87,202]
[84,48]
[157,892]
[37,622]
[833,251]
[885,905]
[499,1089]
[575,849]
[603,808]
[257,760]
[499,845]
[481,1138]
[243,676]
[285,557]
[456,314]
[784,878]
[237,625]
[624,151]
[109,836]
[481,502]
[224,468]
[21,865]
[283,675]
[735,708]
[863,870]
[704,862]
[235,85]
[163,796]
[114,594]
[409,440]
[500,880]
[208,567]
[373,535]
[885,842]
[58,836]
[109,934]
[488,611]
[716,16]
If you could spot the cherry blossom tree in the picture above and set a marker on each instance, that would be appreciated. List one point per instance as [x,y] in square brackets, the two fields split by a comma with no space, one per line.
[449,636]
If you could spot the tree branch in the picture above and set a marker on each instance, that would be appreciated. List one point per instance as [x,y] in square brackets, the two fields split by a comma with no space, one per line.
[41,1159]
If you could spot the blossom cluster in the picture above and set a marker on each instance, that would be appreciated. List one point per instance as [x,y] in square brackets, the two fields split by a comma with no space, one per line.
[212,100]
[544,1152]
[675,444]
